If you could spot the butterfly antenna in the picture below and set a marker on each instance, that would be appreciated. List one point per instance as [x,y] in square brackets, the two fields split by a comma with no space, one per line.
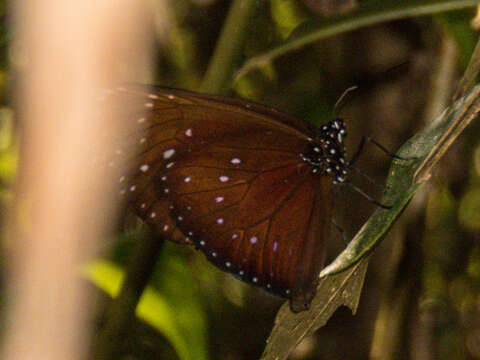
[339,104]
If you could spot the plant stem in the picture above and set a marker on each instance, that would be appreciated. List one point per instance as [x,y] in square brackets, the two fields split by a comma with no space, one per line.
[228,50]
[121,313]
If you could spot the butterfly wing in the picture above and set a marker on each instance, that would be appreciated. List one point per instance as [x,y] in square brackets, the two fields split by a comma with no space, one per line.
[227,176]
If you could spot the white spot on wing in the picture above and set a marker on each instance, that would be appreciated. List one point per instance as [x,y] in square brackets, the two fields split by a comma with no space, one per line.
[220,221]
[224,178]
[253,240]
[188,132]
[187,179]
[144,168]
[167,154]
[219,199]
[235,161]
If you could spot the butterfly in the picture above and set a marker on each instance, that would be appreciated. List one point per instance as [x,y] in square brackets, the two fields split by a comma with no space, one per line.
[247,185]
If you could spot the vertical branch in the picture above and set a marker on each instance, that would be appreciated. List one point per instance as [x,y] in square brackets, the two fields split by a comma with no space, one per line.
[69,51]
[122,311]
[228,50]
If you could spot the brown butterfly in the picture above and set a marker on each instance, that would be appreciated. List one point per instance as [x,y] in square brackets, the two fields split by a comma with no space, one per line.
[247,185]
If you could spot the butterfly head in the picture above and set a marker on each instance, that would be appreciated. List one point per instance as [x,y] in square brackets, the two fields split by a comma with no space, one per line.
[326,153]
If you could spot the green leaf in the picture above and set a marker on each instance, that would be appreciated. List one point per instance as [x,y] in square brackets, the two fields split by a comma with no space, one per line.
[374,12]
[154,309]
[332,292]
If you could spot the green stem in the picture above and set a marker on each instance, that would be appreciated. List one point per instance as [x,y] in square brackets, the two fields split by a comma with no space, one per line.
[228,51]
[121,313]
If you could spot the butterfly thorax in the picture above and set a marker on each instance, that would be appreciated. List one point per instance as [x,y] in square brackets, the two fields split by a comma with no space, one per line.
[326,153]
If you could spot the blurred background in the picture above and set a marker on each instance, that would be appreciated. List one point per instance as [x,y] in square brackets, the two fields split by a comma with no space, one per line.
[421,298]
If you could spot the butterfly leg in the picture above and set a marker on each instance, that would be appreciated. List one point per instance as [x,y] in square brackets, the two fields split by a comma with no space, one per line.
[366,196]
[377,144]
[342,232]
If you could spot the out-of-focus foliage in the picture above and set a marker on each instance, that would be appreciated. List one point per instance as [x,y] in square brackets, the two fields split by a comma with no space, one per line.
[457,25]
[8,152]
[422,290]
[181,322]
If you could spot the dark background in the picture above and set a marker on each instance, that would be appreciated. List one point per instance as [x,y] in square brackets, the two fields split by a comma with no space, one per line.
[421,298]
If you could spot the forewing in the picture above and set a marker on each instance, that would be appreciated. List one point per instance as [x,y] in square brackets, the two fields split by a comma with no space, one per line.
[230,180]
